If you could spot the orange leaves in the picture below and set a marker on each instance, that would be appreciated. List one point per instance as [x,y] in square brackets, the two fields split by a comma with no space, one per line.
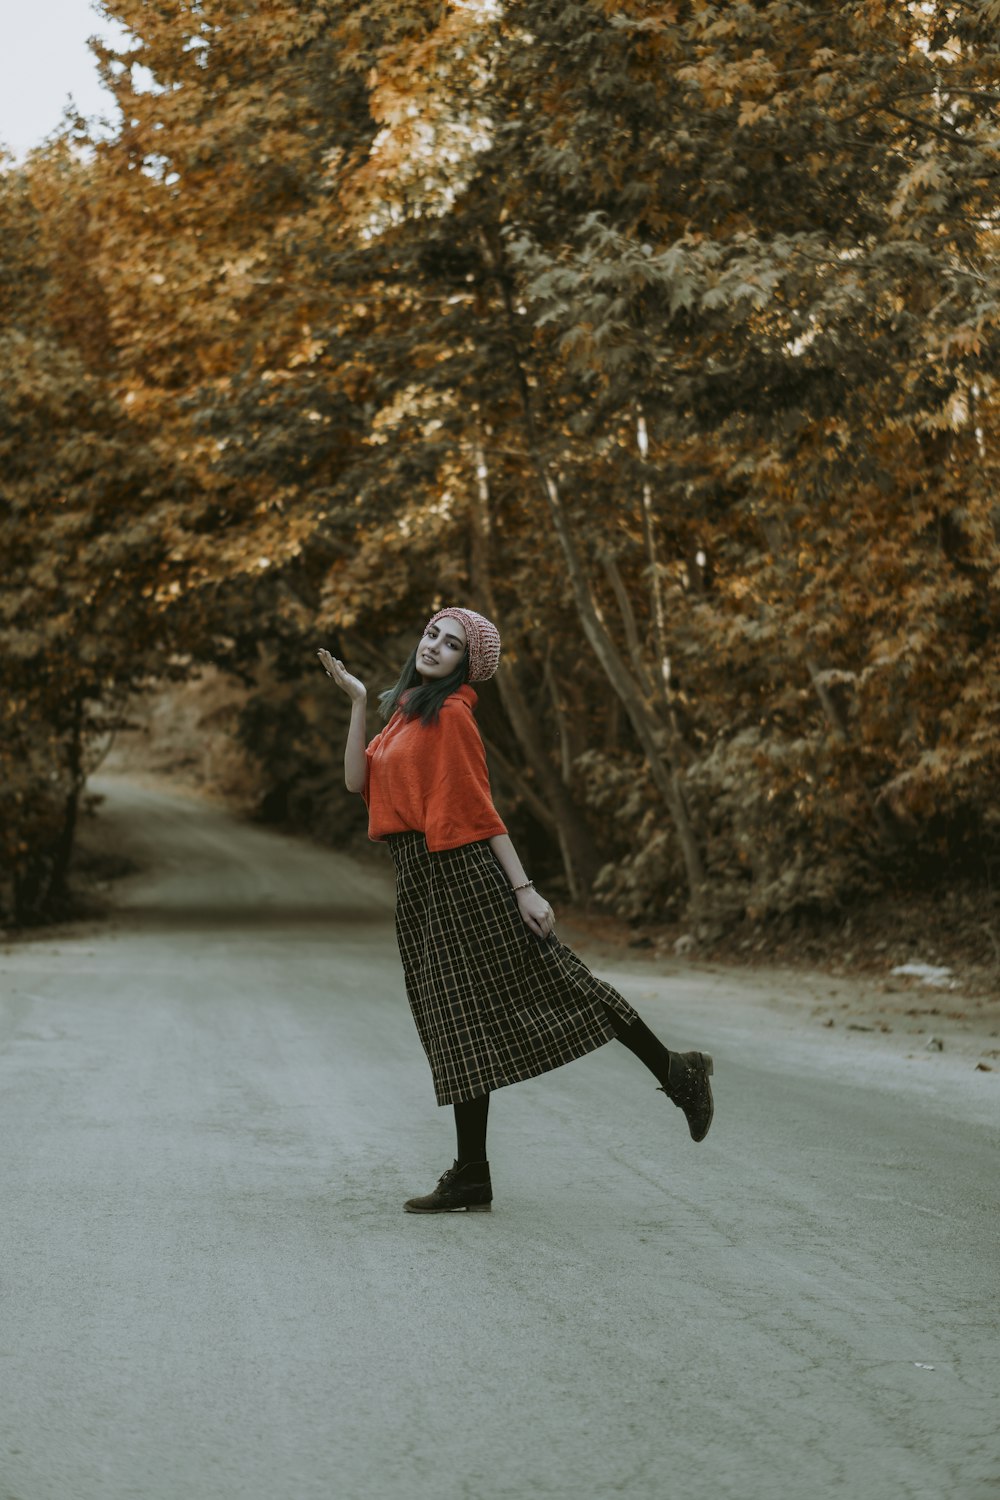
[752,114]
[961,341]
[930,175]
[338,249]
[637,16]
[823,87]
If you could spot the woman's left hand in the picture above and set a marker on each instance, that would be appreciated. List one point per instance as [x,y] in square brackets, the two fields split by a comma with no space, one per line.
[536,911]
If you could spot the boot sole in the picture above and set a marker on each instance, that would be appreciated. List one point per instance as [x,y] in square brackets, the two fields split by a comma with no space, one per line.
[466,1208]
[708,1064]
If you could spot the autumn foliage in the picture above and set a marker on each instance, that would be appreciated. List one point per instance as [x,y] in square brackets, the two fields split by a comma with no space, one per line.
[665,334]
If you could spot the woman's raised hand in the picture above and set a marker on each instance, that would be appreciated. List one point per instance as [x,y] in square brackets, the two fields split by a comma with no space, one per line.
[352,686]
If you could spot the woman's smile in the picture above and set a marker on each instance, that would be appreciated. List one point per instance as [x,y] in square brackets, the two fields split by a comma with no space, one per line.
[440,650]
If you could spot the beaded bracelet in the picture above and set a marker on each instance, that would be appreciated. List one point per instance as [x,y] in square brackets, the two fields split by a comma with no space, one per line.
[528,885]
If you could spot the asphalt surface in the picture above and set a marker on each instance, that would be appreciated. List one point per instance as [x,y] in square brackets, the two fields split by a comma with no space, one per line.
[213,1107]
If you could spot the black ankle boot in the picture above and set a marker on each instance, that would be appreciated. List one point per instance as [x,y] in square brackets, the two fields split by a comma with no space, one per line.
[460,1189]
[689,1088]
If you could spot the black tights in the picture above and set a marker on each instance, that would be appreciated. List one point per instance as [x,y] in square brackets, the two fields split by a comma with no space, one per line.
[470,1127]
[471,1115]
[639,1040]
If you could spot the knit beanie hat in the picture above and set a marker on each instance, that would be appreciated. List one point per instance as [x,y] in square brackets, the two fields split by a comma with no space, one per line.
[483,638]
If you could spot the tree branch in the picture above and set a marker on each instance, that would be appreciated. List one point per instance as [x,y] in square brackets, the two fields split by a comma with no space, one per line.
[946,135]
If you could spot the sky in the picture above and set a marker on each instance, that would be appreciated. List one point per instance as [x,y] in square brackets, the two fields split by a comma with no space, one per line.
[45,59]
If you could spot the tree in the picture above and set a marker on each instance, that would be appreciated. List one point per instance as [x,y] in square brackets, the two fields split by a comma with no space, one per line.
[660,332]
[85,566]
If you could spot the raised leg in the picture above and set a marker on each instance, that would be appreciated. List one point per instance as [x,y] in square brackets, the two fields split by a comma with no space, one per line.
[683,1076]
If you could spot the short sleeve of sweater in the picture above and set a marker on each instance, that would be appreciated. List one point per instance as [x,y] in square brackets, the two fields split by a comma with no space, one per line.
[459,807]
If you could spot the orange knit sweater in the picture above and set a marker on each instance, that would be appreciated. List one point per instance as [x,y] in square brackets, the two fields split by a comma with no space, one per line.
[432,778]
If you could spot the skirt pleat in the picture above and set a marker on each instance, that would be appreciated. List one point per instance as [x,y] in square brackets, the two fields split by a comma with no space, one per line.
[493,1003]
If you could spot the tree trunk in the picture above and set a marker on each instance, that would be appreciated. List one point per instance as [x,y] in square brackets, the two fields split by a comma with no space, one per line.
[655,586]
[566,738]
[889,826]
[653,734]
[58,887]
[554,806]
[639,666]
[28,884]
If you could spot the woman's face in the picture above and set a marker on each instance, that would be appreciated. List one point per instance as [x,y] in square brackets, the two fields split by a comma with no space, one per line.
[441,648]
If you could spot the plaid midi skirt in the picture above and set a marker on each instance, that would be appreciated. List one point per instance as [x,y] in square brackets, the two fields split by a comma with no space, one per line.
[493,1003]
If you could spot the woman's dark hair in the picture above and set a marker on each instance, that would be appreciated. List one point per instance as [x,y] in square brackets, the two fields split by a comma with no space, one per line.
[413,697]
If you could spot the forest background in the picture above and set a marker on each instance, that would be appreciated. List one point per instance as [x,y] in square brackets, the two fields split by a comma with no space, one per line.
[664,334]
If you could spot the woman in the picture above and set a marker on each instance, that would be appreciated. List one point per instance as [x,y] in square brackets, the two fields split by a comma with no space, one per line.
[495,996]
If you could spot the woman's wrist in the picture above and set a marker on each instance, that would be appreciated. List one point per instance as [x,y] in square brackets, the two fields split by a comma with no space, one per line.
[526,885]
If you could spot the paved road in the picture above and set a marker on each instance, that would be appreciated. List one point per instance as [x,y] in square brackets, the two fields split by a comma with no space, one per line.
[213,1109]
